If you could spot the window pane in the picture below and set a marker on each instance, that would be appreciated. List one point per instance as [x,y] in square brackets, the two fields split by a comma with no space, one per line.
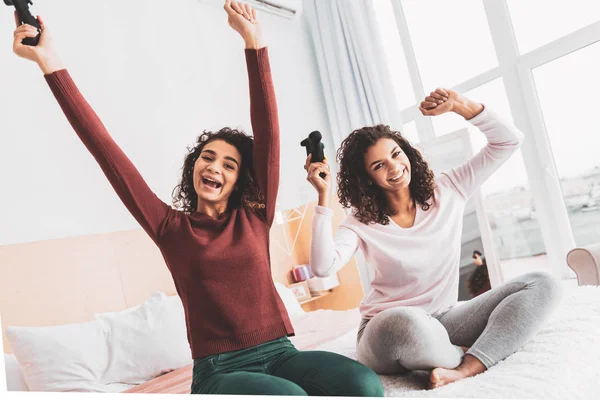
[507,197]
[447,123]
[409,131]
[451,40]
[394,54]
[552,19]
[566,89]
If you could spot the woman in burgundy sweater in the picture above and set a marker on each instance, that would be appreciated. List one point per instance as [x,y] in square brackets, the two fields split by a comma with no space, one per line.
[216,245]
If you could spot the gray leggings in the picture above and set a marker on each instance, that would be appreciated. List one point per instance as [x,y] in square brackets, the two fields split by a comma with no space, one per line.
[493,325]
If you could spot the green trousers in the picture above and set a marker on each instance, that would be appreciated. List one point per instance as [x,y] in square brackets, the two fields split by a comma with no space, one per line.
[278,368]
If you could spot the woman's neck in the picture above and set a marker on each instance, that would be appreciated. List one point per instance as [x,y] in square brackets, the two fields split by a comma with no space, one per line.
[212,210]
[401,201]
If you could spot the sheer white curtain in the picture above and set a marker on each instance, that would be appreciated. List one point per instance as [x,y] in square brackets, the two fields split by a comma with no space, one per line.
[356,81]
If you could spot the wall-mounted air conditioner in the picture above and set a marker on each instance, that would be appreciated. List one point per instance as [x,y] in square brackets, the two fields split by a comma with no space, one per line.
[282,8]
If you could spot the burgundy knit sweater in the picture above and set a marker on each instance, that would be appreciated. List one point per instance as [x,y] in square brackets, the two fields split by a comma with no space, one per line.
[221,267]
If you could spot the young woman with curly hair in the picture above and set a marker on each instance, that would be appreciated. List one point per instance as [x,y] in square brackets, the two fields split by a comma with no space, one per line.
[408,225]
[216,245]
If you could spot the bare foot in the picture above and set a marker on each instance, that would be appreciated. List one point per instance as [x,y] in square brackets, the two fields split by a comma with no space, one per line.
[441,376]
[470,366]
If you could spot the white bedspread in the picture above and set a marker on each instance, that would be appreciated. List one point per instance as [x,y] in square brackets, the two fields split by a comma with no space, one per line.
[561,362]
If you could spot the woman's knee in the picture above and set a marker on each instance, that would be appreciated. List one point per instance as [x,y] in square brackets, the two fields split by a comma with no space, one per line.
[402,326]
[289,389]
[251,383]
[549,287]
[399,320]
[280,388]
[322,373]
[399,334]
[362,382]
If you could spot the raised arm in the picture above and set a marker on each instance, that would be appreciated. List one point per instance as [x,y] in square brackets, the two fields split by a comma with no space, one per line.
[503,139]
[263,105]
[328,254]
[144,205]
[265,126]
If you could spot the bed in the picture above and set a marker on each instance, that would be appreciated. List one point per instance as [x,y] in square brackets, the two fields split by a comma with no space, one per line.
[562,361]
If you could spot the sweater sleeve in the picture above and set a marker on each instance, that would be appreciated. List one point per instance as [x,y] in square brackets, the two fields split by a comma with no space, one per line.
[503,140]
[328,254]
[149,211]
[265,126]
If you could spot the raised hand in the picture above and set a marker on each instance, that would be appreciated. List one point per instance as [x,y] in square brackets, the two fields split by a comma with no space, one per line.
[444,100]
[44,53]
[438,102]
[242,18]
[322,185]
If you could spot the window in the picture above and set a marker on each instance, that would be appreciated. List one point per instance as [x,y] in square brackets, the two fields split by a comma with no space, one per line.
[396,61]
[571,117]
[449,50]
[538,22]
[453,47]
[446,123]
[409,131]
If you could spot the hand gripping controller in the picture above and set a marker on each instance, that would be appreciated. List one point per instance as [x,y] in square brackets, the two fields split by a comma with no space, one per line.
[25,17]
[315,147]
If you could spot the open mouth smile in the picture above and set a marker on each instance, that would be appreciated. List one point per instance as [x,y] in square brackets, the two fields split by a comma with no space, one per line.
[211,183]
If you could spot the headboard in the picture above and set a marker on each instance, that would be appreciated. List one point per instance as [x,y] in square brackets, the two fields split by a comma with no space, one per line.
[62,281]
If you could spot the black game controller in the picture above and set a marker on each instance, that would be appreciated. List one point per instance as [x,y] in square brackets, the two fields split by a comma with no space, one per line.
[25,17]
[315,147]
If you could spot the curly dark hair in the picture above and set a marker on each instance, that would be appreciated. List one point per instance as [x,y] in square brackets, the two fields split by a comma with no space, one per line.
[247,193]
[368,201]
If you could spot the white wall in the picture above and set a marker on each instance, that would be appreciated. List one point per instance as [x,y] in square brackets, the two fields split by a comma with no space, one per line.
[157,73]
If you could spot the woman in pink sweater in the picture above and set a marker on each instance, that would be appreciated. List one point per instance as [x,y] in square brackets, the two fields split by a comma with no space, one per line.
[216,244]
[408,225]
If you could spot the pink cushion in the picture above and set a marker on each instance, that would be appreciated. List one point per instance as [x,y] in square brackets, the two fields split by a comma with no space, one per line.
[585,261]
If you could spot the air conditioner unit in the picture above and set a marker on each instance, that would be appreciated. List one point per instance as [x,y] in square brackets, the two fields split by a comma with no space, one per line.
[282,8]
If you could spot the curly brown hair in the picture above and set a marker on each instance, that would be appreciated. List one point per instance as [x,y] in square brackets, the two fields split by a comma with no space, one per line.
[247,193]
[368,201]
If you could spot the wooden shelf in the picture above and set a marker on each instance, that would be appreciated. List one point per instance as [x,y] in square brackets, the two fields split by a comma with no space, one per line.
[316,297]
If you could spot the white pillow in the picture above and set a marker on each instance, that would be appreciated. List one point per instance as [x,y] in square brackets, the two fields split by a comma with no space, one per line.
[14,377]
[154,295]
[148,341]
[61,358]
[289,300]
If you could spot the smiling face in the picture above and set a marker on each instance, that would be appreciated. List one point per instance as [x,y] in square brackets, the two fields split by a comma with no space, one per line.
[387,165]
[216,172]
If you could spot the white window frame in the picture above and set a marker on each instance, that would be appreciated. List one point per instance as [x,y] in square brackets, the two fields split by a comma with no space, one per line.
[516,72]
